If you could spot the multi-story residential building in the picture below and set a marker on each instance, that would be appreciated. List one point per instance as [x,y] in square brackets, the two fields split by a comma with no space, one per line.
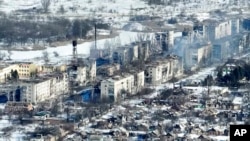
[58,84]
[165,40]
[163,70]
[81,76]
[128,53]
[235,26]
[90,69]
[143,52]
[139,80]
[121,55]
[216,29]
[197,55]
[133,52]
[177,63]
[114,87]
[108,70]
[220,51]
[43,88]
[36,90]
[200,28]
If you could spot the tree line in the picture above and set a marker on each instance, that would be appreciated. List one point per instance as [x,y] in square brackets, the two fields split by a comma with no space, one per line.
[234,76]
[23,31]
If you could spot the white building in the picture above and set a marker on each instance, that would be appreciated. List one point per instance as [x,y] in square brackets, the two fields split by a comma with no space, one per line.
[163,70]
[44,88]
[121,55]
[134,52]
[90,70]
[235,26]
[197,55]
[108,70]
[216,29]
[143,50]
[114,87]
[81,76]
[139,80]
[165,40]
[220,51]
[5,71]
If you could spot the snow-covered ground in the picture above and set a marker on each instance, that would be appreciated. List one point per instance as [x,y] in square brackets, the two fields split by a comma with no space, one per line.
[116,9]
[133,27]
[76,7]
[124,37]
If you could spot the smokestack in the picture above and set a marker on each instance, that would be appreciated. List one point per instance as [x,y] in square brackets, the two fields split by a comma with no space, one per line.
[74,43]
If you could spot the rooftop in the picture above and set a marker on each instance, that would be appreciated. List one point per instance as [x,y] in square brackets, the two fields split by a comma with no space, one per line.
[118,77]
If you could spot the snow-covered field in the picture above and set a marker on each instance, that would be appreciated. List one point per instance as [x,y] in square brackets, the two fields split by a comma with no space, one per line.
[124,37]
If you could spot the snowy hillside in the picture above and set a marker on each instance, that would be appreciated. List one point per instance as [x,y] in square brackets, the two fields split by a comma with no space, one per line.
[111,8]
[75,6]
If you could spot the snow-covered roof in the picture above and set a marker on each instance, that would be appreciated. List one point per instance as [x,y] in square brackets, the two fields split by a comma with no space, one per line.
[220,138]
[237,101]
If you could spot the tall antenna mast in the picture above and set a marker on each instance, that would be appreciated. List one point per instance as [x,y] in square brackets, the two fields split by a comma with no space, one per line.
[95,38]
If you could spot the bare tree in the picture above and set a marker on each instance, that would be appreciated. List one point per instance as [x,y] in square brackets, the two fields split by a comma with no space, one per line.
[9,53]
[2,55]
[61,9]
[56,54]
[45,5]
[45,57]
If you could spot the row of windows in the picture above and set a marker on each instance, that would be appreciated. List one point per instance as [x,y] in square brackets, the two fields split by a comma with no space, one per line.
[24,70]
[23,66]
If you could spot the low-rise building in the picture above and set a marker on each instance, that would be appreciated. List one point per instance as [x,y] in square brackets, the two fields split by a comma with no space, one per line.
[25,69]
[17,107]
[48,68]
[5,71]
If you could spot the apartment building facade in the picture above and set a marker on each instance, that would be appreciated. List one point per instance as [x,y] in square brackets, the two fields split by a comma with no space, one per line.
[44,88]
[114,88]
[217,29]
[25,69]
[197,55]
[139,80]
[161,71]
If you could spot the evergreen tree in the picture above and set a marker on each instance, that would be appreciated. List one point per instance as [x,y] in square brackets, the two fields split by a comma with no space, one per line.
[219,75]
[76,29]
